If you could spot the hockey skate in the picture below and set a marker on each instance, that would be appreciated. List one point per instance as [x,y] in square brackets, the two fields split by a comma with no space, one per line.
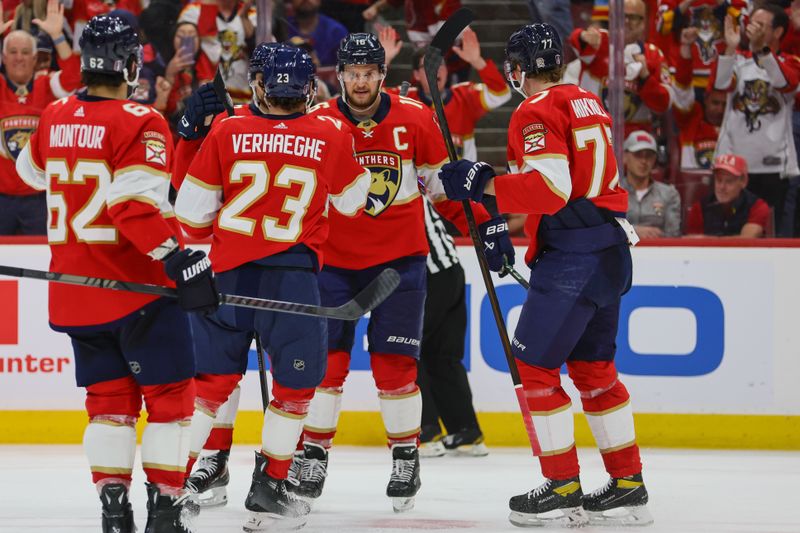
[404,482]
[430,442]
[466,442]
[272,507]
[313,471]
[208,484]
[169,514]
[117,512]
[552,504]
[620,502]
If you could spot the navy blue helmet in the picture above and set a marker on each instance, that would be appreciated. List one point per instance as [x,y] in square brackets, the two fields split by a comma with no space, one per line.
[289,73]
[534,48]
[107,44]
[360,49]
[259,57]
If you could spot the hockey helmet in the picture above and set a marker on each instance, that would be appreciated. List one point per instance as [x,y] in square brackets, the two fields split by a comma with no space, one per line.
[534,48]
[107,45]
[259,56]
[289,73]
[360,49]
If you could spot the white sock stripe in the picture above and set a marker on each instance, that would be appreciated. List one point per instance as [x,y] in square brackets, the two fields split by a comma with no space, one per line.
[402,416]
[324,409]
[280,433]
[110,448]
[613,428]
[166,445]
[226,414]
[556,430]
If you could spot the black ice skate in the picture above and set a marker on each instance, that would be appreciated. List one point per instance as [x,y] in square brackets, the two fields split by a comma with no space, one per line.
[620,502]
[555,503]
[272,507]
[208,484]
[404,483]
[117,512]
[169,514]
[466,442]
[294,470]
[313,471]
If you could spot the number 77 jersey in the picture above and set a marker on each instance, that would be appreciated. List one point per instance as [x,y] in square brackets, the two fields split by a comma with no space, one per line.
[559,150]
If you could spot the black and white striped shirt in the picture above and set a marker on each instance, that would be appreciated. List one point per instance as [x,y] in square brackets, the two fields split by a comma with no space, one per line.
[443,253]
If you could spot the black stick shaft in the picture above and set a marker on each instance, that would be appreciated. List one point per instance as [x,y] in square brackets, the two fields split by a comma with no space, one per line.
[262,373]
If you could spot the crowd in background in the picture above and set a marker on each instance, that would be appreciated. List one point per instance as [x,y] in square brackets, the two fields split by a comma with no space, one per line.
[710,88]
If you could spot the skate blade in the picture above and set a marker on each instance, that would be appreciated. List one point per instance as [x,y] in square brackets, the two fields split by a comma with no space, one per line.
[432,449]
[638,515]
[258,522]
[569,517]
[402,504]
[214,497]
[471,450]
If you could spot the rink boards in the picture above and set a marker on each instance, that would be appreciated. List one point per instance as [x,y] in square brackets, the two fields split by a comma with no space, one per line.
[709,347]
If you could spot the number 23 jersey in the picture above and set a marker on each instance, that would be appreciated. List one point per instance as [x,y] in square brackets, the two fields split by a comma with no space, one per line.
[559,149]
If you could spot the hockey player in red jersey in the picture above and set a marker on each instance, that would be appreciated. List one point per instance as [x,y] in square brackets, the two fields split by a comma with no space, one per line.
[261,186]
[565,178]
[397,140]
[104,162]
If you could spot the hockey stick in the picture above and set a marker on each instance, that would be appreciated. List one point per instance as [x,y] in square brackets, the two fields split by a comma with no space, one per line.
[218,84]
[442,42]
[365,301]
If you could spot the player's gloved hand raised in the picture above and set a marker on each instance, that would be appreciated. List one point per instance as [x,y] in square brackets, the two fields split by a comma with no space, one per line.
[465,179]
[201,107]
[194,279]
[497,245]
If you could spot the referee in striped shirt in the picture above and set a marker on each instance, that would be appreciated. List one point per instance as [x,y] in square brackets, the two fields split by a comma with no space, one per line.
[442,377]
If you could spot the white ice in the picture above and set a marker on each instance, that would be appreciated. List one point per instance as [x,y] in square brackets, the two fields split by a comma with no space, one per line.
[48,489]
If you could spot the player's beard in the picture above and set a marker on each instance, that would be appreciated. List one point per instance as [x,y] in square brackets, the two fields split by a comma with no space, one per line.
[362,101]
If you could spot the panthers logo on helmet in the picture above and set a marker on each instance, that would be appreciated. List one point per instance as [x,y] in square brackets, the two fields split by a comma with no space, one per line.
[755,101]
[386,172]
[16,131]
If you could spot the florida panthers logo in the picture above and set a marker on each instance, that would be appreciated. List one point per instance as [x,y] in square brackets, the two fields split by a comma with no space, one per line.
[709,35]
[386,175]
[16,132]
[231,51]
[754,102]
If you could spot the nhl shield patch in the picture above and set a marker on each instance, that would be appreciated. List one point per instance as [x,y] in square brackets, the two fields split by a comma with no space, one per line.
[386,175]
[16,131]
[534,136]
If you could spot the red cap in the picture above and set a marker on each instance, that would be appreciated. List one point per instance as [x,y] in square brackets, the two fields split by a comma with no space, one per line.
[735,164]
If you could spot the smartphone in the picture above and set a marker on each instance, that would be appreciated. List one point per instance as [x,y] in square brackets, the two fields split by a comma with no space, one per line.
[187,46]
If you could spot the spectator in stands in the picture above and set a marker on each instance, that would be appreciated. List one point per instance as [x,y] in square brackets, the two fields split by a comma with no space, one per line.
[349,12]
[654,208]
[557,13]
[189,68]
[698,125]
[157,22]
[23,97]
[227,32]
[648,85]
[321,31]
[757,126]
[464,103]
[423,17]
[730,210]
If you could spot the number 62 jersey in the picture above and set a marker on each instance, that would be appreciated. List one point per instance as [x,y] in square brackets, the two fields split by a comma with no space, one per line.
[105,166]
[559,149]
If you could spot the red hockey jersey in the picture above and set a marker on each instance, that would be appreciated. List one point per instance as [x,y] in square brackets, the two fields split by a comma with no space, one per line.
[399,145]
[105,166]
[465,104]
[261,184]
[19,116]
[559,149]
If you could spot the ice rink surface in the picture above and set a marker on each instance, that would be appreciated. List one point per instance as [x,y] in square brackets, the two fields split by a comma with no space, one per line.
[48,489]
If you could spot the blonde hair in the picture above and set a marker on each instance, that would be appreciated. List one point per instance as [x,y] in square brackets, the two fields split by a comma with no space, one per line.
[27,11]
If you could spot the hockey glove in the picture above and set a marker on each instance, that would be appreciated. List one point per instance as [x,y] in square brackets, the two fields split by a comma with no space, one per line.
[194,279]
[497,245]
[201,105]
[465,179]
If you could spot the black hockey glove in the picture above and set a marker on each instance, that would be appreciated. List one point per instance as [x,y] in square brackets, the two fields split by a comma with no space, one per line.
[497,245]
[202,104]
[194,279]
